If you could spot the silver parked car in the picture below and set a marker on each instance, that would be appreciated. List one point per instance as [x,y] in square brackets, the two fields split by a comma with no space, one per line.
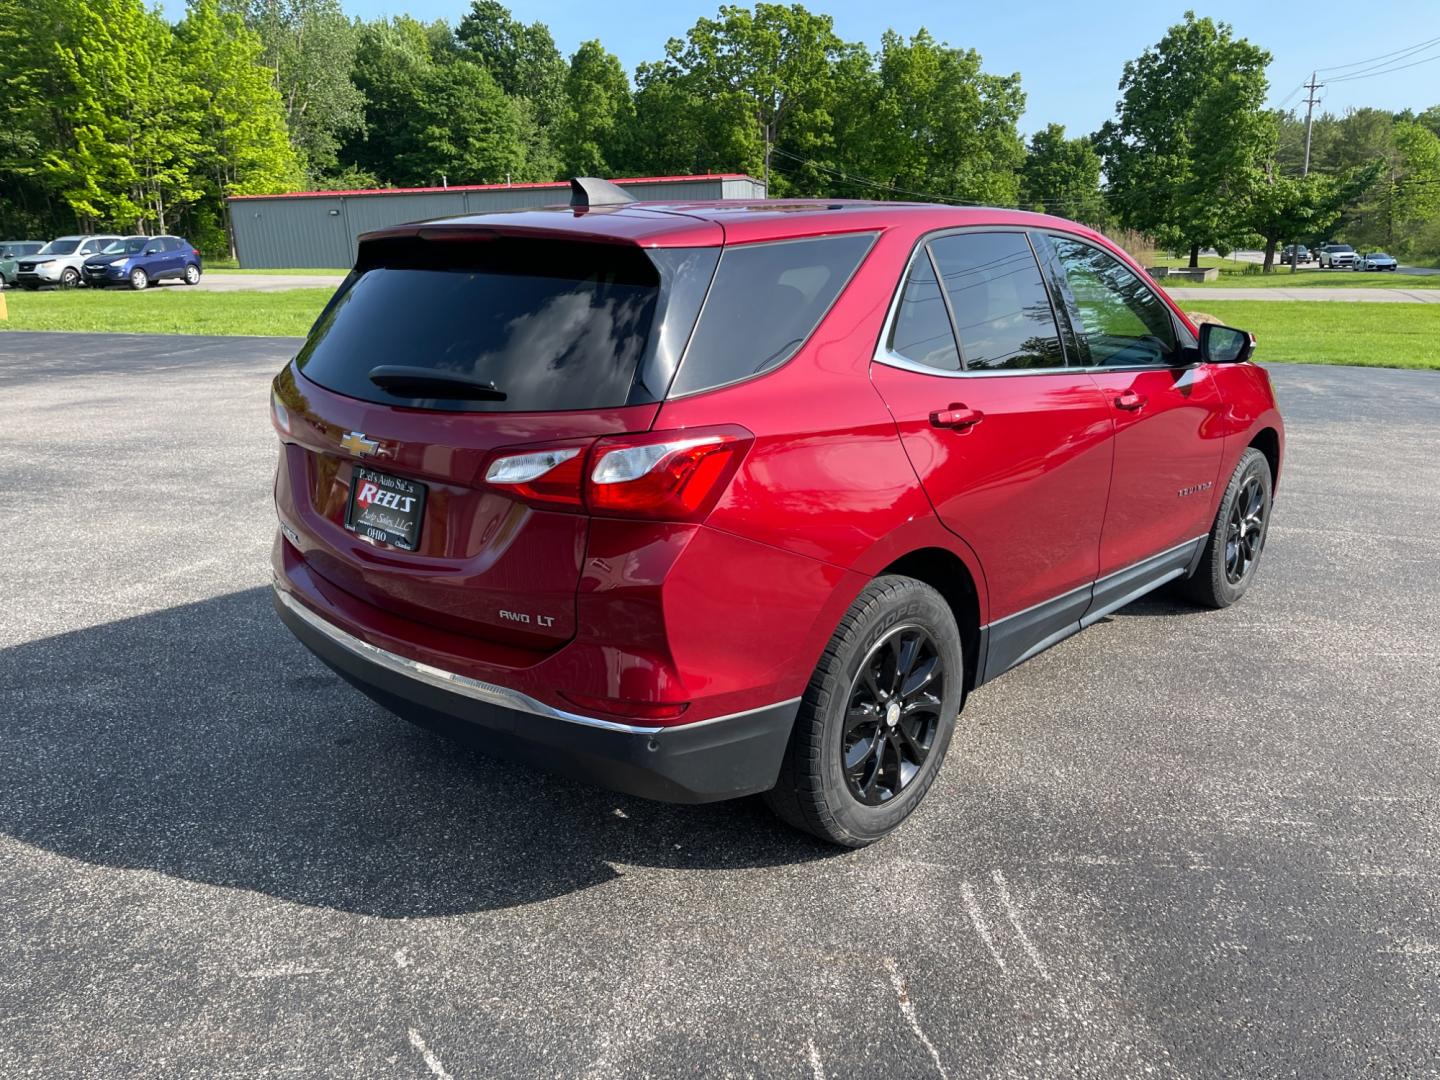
[59,261]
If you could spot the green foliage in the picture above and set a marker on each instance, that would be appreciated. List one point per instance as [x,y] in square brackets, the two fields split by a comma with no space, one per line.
[431,113]
[242,147]
[1304,208]
[1062,176]
[598,111]
[310,47]
[1185,152]
[112,118]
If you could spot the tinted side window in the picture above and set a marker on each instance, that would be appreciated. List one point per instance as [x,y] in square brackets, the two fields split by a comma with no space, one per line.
[766,299]
[922,330]
[1124,321]
[1002,310]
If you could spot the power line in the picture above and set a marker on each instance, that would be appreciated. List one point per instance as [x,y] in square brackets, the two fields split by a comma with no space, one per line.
[1386,71]
[1361,63]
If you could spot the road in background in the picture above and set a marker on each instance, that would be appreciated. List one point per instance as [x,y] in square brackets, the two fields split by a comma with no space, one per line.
[1315,292]
[1183,843]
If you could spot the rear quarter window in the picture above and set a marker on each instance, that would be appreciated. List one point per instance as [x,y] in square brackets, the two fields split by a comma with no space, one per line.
[765,301]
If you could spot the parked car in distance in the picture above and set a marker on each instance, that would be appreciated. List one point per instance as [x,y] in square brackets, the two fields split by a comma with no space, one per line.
[698,501]
[1336,256]
[1376,260]
[10,252]
[138,261]
[1295,253]
[59,261]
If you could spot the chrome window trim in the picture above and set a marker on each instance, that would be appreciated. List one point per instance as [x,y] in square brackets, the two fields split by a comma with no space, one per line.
[883,353]
[476,689]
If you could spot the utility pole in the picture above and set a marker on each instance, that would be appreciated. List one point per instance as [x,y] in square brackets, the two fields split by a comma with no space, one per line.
[1310,101]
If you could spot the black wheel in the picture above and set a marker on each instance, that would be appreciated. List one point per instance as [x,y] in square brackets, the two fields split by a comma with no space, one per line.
[139,280]
[1232,551]
[69,278]
[877,717]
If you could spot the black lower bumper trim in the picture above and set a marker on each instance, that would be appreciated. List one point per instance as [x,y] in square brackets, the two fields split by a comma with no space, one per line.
[691,763]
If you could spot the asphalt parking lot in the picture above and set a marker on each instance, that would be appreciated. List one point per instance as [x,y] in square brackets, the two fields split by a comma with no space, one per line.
[1180,844]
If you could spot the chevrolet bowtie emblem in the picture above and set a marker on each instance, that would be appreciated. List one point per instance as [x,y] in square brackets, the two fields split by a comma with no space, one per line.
[357,443]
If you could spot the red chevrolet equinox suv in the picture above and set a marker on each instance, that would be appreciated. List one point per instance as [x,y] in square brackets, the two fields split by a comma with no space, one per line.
[700,500]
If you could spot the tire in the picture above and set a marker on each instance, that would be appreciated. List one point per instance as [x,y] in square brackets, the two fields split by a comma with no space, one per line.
[69,278]
[893,618]
[1225,573]
[192,274]
[139,280]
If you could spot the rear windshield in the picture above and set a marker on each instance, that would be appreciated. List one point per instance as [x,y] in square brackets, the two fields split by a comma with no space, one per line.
[550,325]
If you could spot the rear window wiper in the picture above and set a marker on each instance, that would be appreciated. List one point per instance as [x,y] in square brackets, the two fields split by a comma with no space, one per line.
[423,382]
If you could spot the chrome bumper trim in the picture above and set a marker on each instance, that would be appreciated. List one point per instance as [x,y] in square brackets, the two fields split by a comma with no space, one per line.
[476,689]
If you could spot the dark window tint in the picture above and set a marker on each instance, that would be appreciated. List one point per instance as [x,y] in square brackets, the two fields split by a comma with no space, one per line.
[550,325]
[1125,323]
[922,330]
[1002,310]
[766,299]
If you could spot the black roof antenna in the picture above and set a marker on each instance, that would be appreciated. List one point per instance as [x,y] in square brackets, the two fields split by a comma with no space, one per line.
[592,191]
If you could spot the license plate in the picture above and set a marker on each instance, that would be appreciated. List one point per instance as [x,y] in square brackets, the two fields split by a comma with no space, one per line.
[385,508]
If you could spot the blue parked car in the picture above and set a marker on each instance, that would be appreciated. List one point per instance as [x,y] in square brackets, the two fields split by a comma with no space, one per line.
[138,261]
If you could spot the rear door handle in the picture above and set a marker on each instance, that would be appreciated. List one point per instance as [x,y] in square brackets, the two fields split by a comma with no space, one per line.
[956,415]
[1130,401]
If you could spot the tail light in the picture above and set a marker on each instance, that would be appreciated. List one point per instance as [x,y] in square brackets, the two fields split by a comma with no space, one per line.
[550,477]
[663,475]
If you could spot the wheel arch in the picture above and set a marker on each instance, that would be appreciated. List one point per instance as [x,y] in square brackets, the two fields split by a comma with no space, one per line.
[947,574]
[1267,441]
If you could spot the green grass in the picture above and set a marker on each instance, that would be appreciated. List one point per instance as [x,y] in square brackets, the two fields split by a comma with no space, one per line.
[170,310]
[1307,332]
[1378,335]
[1282,278]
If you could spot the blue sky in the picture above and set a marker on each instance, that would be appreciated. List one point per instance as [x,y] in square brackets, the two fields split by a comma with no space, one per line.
[1069,55]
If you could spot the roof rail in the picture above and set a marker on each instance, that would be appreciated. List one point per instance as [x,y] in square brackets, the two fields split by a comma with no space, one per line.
[592,191]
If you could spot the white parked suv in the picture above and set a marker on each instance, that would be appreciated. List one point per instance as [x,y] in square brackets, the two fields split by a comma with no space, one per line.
[59,261]
[1335,256]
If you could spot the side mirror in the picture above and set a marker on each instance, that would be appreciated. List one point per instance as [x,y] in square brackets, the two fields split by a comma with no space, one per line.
[152,251]
[1225,344]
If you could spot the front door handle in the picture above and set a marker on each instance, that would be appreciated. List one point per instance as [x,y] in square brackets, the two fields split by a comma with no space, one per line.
[1130,401]
[956,415]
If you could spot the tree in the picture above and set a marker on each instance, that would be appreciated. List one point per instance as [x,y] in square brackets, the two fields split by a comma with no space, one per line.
[1303,208]
[242,147]
[1185,152]
[521,58]
[759,79]
[598,110]
[937,125]
[1062,176]
[524,62]
[431,113]
[310,47]
[94,112]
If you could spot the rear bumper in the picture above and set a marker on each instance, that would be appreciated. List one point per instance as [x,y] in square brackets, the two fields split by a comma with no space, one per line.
[706,761]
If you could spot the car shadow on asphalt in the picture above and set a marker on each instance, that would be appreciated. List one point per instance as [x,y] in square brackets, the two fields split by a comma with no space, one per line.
[205,743]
